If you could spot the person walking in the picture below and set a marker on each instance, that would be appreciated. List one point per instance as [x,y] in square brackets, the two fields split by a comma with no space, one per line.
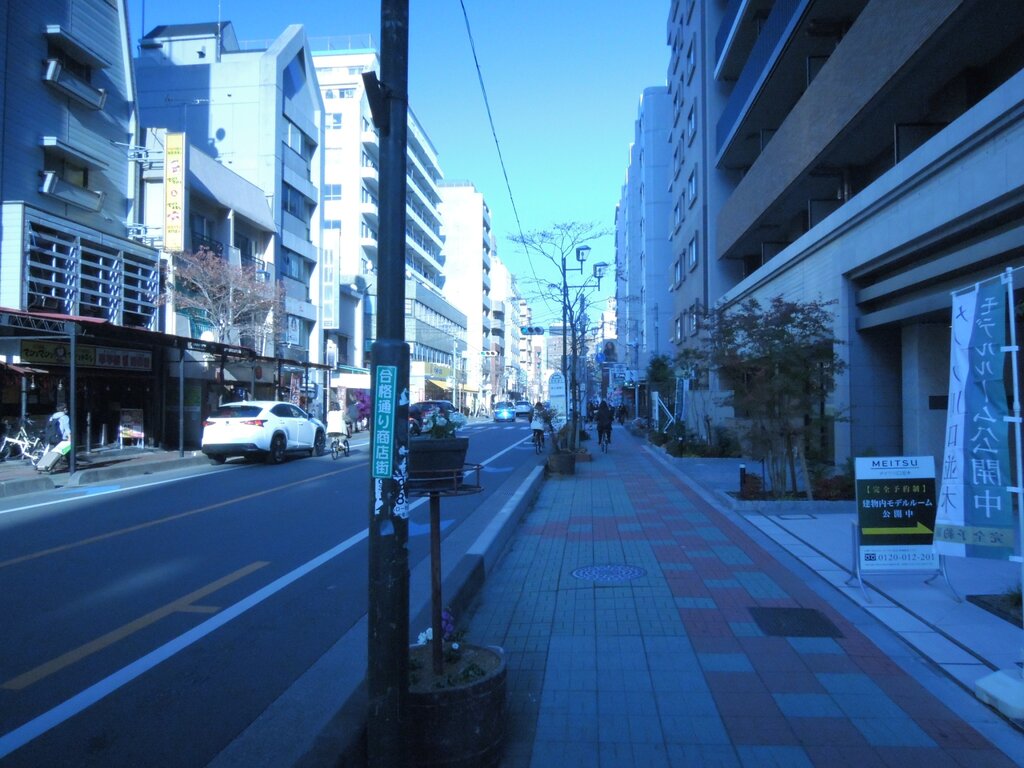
[352,414]
[604,417]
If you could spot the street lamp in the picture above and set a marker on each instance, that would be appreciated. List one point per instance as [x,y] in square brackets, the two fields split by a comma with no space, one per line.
[599,271]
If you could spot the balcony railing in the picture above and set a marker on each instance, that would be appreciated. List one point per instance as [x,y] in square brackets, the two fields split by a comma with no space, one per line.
[55,186]
[200,242]
[778,26]
[73,86]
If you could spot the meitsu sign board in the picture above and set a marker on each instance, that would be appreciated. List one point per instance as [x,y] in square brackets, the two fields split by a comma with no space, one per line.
[896,513]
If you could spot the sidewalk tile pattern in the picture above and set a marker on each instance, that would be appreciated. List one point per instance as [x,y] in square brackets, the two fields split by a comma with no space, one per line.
[670,668]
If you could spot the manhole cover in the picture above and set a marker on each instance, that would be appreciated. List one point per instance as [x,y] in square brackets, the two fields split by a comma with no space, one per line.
[794,622]
[608,573]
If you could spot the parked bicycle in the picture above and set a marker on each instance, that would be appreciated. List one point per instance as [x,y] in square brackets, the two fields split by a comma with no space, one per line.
[22,445]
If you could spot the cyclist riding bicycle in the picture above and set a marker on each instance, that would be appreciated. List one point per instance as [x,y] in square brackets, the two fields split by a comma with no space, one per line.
[538,424]
[604,422]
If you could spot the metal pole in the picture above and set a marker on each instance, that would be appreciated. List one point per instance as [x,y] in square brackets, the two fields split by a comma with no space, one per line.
[565,330]
[181,400]
[72,400]
[388,619]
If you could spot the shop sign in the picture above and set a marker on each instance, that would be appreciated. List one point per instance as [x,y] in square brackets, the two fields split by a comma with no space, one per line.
[896,513]
[86,355]
[174,192]
[385,404]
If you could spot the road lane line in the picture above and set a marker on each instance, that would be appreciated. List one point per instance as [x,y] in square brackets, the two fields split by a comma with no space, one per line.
[83,700]
[181,605]
[161,521]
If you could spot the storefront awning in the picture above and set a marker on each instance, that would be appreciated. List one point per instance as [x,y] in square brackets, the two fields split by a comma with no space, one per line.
[439,383]
[467,388]
[351,380]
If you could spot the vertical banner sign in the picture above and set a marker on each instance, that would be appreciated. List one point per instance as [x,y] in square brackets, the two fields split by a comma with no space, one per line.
[174,192]
[385,403]
[975,515]
[896,513]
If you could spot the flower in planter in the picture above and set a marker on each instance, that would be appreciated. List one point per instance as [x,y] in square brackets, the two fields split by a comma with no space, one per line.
[439,426]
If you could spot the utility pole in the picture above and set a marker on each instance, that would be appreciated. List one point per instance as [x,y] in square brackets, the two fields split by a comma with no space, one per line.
[387,672]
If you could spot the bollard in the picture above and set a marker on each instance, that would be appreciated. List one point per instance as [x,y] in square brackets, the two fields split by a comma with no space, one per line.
[743,478]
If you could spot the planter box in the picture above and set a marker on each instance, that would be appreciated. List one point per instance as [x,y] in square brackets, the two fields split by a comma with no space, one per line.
[562,463]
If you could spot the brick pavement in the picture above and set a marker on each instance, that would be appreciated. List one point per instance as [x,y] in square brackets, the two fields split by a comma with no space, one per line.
[674,668]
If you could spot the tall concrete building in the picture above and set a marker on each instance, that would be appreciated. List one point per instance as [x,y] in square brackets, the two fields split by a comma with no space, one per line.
[864,151]
[469,251]
[646,276]
[258,112]
[435,330]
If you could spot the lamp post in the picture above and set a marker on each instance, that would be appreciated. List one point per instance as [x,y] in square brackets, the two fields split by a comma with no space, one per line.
[598,272]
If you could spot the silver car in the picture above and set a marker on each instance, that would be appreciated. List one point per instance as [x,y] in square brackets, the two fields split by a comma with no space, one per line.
[267,428]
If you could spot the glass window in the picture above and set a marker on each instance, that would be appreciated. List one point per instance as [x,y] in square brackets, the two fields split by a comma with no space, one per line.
[332,191]
[692,255]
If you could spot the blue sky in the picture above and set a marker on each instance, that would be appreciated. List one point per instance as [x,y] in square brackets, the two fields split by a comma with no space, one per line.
[563,78]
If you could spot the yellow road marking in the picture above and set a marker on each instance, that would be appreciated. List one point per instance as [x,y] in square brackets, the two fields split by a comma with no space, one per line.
[161,521]
[181,605]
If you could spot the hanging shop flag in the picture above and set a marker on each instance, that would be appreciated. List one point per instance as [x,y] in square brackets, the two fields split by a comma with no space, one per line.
[975,514]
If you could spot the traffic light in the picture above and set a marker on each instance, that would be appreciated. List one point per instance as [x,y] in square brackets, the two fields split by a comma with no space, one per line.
[531,330]
[489,353]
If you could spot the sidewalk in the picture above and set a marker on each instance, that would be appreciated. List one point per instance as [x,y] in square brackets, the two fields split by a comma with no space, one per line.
[647,622]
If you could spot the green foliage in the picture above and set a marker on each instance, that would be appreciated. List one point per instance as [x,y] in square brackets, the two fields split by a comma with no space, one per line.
[779,364]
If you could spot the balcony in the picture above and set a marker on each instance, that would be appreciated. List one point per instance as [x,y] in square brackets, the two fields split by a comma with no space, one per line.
[202,242]
[71,85]
[55,186]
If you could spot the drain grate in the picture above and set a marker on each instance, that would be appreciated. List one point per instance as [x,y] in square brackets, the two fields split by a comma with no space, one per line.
[794,622]
[608,574]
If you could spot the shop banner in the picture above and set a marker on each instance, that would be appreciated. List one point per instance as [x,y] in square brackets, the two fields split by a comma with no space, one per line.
[174,192]
[975,513]
[896,513]
[385,406]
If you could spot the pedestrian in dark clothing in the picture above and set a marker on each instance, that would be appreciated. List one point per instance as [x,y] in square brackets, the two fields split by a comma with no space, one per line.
[604,422]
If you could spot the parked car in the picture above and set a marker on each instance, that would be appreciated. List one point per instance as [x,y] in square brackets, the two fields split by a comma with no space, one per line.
[504,411]
[417,412]
[268,428]
[524,409]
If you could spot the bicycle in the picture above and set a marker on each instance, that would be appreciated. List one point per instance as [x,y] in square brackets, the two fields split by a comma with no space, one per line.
[604,437]
[339,446]
[22,445]
[538,441]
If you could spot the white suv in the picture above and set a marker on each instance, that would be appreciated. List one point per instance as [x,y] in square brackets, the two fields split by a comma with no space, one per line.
[267,428]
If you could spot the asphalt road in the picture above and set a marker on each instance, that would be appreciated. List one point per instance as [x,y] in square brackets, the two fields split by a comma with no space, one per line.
[148,622]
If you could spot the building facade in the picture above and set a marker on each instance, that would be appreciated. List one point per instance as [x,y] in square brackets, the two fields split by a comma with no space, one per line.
[646,275]
[865,152]
[198,80]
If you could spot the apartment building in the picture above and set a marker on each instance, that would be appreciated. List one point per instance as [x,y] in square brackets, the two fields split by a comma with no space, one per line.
[469,252]
[647,276]
[862,151]
[197,79]
[351,153]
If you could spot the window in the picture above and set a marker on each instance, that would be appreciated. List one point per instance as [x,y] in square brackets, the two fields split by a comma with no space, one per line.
[294,203]
[332,191]
[333,121]
[678,329]
[677,272]
[693,319]
[691,58]
[692,255]
[691,188]
[691,123]
[332,224]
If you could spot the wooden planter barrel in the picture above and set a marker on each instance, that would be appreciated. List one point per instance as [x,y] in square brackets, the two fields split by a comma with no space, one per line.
[461,726]
[562,463]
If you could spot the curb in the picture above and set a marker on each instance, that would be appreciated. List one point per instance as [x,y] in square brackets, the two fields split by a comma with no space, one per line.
[134,469]
[29,485]
[321,719]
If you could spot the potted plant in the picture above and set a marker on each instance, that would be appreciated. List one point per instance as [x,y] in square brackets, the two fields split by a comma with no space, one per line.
[456,699]
[437,455]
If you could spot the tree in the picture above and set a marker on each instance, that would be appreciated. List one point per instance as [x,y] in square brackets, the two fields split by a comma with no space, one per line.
[781,364]
[242,308]
[560,245]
